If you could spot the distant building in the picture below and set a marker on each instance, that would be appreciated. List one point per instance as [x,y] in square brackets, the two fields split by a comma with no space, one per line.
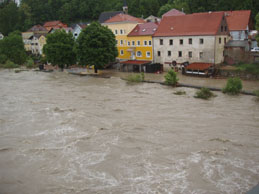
[108,15]
[1,36]
[37,43]
[153,19]
[173,12]
[78,28]
[194,38]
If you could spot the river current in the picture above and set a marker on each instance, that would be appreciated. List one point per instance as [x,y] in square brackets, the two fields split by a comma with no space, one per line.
[61,133]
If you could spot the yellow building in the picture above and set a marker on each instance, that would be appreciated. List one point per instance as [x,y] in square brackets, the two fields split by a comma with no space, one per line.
[140,41]
[121,25]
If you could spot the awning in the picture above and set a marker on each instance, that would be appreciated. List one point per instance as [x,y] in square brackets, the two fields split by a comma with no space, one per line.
[199,66]
[135,62]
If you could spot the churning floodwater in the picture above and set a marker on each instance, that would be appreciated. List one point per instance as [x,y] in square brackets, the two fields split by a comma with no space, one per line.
[66,134]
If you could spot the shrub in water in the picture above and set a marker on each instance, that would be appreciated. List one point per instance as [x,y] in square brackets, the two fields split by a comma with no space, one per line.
[204,93]
[180,93]
[171,78]
[257,93]
[135,78]
[233,87]
[3,58]
[10,65]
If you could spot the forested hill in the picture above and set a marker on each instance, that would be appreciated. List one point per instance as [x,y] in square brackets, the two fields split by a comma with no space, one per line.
[33,12]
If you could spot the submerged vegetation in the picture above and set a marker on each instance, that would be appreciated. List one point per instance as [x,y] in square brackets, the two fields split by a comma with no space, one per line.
[248,68]
[180,92]
[9,65]
[257,94]
[204,93]
[171,78]
[136,78]
[233,87]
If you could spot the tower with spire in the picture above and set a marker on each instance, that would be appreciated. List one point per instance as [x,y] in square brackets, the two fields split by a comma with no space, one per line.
[125,7]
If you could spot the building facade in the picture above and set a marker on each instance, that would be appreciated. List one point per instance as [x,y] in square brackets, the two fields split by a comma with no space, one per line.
[191,38]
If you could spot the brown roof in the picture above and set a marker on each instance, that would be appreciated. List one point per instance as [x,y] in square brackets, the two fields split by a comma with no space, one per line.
[144,29]
[173,12]
[54,24]
[199,66]
[124,18]
[238,20]
[37,28]
[135,62]
[190,25]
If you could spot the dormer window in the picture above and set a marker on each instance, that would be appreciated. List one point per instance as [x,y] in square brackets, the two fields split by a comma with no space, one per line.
[144,30]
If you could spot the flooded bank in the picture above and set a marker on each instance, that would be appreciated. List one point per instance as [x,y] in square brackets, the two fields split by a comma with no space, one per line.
[61,133]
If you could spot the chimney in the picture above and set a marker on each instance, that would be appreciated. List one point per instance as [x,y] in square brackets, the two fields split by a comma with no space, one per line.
[125,7]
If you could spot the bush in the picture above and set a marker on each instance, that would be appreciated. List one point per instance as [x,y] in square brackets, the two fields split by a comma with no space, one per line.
[204,93]
[3,58]
[171,78]
[29,63]
[135,78]
[233,87]
[10,65]
[180,93]
[257,93]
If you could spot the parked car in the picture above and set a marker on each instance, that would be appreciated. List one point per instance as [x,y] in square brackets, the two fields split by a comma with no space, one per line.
[255,49]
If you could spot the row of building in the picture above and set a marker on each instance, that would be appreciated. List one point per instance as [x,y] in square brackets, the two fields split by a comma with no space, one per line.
[174,39]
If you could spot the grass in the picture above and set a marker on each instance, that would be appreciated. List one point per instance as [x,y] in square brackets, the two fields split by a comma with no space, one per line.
[9,65]
[204,93]
[249,68]
[233,86]
[180,92]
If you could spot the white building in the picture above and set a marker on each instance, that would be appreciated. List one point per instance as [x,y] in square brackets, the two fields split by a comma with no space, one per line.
[1,36]
[191,38]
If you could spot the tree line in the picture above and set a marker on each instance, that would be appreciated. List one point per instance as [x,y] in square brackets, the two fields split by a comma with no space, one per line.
[33,12]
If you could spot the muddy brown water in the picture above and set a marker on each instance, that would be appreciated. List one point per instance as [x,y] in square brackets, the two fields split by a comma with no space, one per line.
[61,133]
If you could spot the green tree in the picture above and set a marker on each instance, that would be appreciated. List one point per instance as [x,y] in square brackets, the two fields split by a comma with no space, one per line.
[96,45]
[257,27]
[59,49]
[165,8]
[12,48]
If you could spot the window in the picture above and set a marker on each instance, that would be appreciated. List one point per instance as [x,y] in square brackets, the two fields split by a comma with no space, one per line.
[161,42]
[169,53]
[75,34]
[150,43]
[121,42]
[133,43]
[139,54]
[221,28]
[201,41]
[226,28]
[148,54]
[122,52]
[116,31]
[36,43]
[190,54]
[171,42]
[129,43]
[201,55]
[145,43]
[180,54]
[121,31]
[219,40]
[138,43]
[225,40]
[181,41]
[158,53]
[190,40]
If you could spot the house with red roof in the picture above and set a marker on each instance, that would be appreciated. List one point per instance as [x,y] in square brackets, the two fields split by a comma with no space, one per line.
[173,12]
[121,25]
[191,38]
[54,25]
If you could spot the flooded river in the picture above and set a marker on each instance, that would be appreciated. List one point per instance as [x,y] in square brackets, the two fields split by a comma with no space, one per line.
[65,134]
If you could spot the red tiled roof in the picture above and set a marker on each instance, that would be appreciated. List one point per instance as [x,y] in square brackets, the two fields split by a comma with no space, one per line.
[135,62]
[190,25]
[173,12]
[144,29]
[199,66]
[123,18]
[238,20]
[54,24]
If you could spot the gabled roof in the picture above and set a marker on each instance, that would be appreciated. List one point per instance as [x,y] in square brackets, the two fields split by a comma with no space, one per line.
[238,20]
[124,18]
[190,25]
[37,28]
[173,12]
[144,29]
[54,24]
[108,15]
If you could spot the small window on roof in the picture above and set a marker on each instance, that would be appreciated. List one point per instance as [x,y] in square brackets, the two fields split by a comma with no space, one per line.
[144,30]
